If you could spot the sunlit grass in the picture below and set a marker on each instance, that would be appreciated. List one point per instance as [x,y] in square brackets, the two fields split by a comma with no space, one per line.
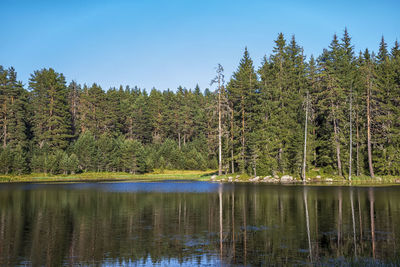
[159,174]
[87,176]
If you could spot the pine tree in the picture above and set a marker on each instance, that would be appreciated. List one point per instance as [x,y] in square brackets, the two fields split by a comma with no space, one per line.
[74,91]
[92,110]
[85,149]
[13,114]
[51,118]
[156,110]
[13,122]
[133,158]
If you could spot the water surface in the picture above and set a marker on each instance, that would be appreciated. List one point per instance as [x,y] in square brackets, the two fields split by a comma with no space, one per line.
[197,223]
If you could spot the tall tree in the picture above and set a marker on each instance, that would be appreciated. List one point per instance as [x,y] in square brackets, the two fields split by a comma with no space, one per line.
[368,70]
[13,113]
[219,79]
[242,93]
[51,118]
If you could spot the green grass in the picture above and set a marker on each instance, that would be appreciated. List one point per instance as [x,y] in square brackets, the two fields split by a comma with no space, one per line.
[157,175]
[97,176]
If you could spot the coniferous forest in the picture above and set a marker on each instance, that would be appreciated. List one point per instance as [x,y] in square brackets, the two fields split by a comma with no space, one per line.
[344,104]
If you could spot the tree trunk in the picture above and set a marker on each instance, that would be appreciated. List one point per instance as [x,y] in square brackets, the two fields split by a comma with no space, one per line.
[5,125]
[337,144]
[371,169]
[232,133]
[351,136]
[357,145]
[243,139]
[219,129]
[303,173]
[179,140]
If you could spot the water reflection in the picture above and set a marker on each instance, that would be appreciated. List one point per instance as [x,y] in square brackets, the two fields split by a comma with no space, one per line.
[198,223]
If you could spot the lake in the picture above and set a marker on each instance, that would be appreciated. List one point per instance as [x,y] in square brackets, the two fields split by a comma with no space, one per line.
[197,223]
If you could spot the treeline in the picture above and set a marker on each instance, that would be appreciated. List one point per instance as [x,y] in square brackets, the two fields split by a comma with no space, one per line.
[55,128]
[351,103]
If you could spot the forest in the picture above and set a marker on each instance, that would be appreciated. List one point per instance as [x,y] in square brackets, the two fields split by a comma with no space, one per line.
[338,113]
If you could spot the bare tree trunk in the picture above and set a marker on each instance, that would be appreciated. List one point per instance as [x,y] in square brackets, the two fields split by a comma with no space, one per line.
[179,140]
[357,146]
[5,125]
[280,157]
[232,160]
[243,147]
[219,129]
[254,167]
[371,169]
[351,136]
[314,149]
[303,173]
[336,137]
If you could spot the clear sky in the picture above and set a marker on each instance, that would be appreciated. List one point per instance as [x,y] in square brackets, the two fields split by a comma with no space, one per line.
[167,43]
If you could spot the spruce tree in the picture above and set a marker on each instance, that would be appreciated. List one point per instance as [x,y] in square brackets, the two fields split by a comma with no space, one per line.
[242,90]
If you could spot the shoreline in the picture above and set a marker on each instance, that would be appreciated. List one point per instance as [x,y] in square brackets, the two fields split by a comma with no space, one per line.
[189,175]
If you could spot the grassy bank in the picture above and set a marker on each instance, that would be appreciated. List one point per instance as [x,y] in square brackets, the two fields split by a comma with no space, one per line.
[117,176]
[313,178]
[322,179]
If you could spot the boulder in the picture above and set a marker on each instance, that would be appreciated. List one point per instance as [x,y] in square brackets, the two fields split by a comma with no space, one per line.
[318,177]
[286,178]
[213,177]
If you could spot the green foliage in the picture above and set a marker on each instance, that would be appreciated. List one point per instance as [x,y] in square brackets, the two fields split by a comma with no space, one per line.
[133,157]
[85,149]
[57,129]
[51,121]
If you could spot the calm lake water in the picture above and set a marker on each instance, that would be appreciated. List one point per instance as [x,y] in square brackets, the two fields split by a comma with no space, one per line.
[197,223]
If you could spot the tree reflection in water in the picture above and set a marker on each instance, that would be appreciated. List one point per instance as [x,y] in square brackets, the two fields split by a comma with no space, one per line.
[202,223]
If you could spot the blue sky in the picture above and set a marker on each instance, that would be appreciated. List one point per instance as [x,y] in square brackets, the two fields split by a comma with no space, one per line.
[167,43]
